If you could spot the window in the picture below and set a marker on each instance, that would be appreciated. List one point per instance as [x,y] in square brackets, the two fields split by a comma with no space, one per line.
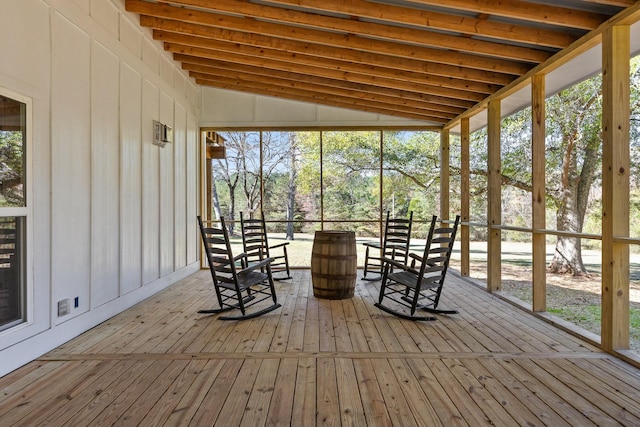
[305,180]
[13,213]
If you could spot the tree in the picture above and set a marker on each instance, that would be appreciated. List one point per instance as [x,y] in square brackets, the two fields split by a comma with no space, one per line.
[574,137]
[11,168]
[232,170]
[573,159]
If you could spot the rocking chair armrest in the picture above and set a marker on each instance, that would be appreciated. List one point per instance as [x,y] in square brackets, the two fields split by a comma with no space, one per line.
[372,245]
[399,265]
[257,265]
[239,256]
[278,245]
[415,257]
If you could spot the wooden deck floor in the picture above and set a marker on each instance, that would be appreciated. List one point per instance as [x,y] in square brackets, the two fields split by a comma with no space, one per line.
[322,363]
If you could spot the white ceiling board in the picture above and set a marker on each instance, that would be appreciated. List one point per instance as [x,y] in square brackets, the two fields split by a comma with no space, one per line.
[576,70]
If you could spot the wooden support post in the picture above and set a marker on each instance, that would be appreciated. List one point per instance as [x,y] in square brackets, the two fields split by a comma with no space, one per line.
[465,244]
[444,174]
[615,187]
[494,205]
[538,195]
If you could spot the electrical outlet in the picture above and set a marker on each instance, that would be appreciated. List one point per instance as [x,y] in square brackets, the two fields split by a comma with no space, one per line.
[63,307]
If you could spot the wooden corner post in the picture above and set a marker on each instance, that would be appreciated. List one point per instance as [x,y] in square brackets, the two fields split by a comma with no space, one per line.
[538,195]
[494,205]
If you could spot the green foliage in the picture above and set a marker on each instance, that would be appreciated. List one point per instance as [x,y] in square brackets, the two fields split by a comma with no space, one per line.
[11,168]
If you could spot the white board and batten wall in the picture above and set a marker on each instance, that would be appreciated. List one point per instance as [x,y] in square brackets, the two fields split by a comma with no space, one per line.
[112,216]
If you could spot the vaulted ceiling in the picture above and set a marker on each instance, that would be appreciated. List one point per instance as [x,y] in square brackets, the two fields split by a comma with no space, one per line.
[428,60]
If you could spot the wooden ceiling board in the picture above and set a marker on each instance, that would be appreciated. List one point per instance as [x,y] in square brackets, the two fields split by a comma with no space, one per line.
[428,60]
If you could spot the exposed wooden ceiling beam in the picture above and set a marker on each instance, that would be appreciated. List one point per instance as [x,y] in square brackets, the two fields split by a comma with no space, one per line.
[324,67]
[213,50]
[444,102]
[547,14]
[341,88]
[373,30]
[438,53]
[439,21]
[420,59]
[416,70]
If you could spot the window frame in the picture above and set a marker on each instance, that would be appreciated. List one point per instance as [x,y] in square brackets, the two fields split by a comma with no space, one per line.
[25,212]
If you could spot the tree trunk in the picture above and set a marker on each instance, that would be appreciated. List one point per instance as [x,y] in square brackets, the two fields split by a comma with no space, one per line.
[572,207]
[215,200]
[567,257]
[291,187]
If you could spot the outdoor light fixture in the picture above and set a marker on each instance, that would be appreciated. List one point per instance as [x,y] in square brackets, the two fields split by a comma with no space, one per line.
[162,134]
[215,146]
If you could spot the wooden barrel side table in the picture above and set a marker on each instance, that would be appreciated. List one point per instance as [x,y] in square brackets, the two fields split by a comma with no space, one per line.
[334,264]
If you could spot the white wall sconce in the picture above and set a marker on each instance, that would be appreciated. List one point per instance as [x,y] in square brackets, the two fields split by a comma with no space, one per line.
[162,134]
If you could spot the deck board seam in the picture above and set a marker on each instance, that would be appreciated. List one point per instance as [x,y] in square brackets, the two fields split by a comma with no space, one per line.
[322,355]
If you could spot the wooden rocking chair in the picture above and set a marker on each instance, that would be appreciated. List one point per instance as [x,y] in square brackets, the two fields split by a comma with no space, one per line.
[419,285]
[256,246]
[395,245]
[236,288]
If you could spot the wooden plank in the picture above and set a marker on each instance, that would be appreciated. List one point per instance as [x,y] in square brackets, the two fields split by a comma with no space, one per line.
[566,394]
[312,331]
[257,409]
[444,407]
[192,398]
[15,381]
[297,333]
[288,298]
[366,322]
[15,407]
[518,410]
[208,411]
[623,384]
[492,408]
[235,402]
[465,404]
[397,406]
[351,405]
[280,410]
[492,364]
[306,392]
[371,394]
[327,404]
[619,408]
[359,341]
[325,324]
[560,408]
[152,395]
[68,401]
[413,394]
[101,399]
[533,401]
[172,395]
